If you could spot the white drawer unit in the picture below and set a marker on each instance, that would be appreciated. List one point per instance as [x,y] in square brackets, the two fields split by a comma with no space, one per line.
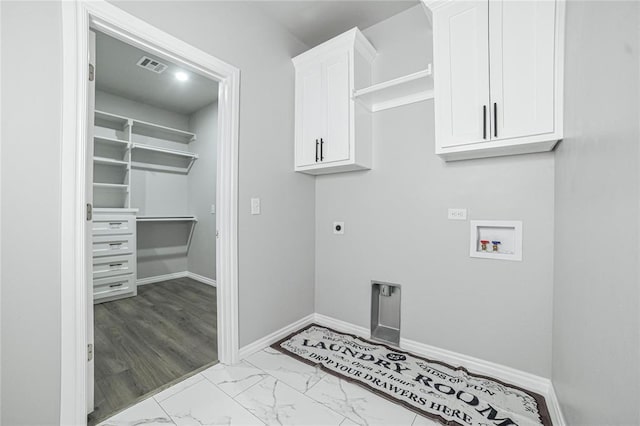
[110,266]
[113,245]
[114,254]
[114,225]
[113,286]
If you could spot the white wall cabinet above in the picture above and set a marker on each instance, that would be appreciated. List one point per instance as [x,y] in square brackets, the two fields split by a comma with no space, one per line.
[498,75]
[332,131]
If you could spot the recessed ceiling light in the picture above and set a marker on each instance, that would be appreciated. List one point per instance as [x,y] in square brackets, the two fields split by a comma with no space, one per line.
[182,76]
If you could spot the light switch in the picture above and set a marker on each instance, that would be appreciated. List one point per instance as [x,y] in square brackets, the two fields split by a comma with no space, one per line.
[213,209]
[255,206]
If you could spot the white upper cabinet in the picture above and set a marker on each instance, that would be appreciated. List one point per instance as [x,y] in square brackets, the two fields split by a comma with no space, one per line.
[498,77]
[461,82]
[332,131]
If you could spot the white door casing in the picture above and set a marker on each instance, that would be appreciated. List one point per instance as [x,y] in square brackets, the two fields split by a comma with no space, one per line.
[77,18]
[91,98]
[461,65]
[522,70]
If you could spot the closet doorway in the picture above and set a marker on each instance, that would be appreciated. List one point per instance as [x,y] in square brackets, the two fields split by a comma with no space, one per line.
[77,340]
[151,165]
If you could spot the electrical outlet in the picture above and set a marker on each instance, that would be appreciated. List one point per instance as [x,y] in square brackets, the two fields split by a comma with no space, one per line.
[338,228]
[255,206]
[457,214]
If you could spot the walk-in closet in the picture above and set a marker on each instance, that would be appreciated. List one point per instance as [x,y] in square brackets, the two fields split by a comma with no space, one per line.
[152,155]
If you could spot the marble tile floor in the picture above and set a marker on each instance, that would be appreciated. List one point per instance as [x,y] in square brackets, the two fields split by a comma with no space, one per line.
[266,388]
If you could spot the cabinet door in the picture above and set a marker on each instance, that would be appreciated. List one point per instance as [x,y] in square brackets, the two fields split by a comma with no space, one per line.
[461,73]
[336,137]
[310,104]
[521,45]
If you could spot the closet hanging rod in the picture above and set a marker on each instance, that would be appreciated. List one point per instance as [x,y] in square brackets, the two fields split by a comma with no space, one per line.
[167,219]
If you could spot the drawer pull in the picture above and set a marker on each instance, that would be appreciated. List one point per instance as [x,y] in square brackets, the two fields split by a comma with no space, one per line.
[115,246]
[115,266]
[115,225]
[116,285]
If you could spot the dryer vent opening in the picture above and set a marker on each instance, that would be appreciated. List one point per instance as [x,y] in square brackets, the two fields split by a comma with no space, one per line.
[385,312]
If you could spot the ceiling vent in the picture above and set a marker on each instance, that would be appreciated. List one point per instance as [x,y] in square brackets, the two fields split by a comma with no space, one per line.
[152,65]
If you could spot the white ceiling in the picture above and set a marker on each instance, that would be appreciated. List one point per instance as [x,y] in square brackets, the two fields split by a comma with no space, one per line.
[310,21]
[117,73]
[314,22]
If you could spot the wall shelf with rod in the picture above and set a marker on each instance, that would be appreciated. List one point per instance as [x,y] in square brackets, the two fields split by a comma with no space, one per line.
[163,159]
[168,219]
[400,91]
[161,132]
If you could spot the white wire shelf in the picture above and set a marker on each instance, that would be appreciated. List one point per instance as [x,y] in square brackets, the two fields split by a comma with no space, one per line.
[400,91]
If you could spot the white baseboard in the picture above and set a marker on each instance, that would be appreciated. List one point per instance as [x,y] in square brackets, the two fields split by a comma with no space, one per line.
[158,278]
[202,279]
[260,344]
[175,275]
[520,378]
[554,406]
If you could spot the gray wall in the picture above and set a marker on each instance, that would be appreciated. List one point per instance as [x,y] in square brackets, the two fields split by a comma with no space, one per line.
[31,124]
[115,104]
[396,229]
[202,191]
[596,354]
[276,286]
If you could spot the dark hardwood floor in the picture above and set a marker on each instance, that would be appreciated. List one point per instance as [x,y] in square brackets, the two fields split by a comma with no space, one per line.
[143,343]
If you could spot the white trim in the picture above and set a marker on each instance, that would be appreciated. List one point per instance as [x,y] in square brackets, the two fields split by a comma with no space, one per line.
[554,407]
[160,278]
[76,18]
[202,279]
[343,326]
[260,344]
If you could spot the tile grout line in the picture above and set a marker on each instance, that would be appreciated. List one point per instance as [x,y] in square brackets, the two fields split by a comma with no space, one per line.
[233,397]
[325,374]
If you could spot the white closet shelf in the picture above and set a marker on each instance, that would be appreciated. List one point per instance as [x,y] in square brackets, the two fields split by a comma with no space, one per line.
[164,150]
[167,219]
[173,169]
[118,186]
[110,141]
[400,91]
[110,161]
[162,132]
[106,119]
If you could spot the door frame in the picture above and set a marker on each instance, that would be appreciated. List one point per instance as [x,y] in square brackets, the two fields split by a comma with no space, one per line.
[77,18]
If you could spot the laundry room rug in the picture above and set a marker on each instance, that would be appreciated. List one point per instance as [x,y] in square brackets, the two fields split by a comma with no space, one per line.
[434,389]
